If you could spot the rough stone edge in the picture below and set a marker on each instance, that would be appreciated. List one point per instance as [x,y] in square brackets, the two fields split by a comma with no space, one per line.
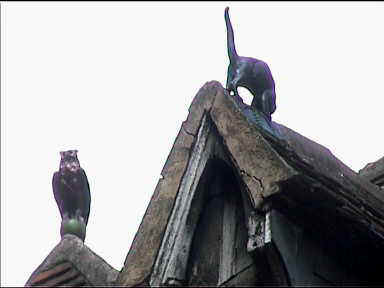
[167,264]
[373,171]
[72,249]
[137,266]
[358,198]
[319,158]
[261,167]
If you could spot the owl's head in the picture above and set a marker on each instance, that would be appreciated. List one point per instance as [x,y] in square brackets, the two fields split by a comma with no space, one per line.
[69,161]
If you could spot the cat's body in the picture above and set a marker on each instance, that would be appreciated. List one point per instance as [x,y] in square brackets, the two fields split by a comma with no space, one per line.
[250,73]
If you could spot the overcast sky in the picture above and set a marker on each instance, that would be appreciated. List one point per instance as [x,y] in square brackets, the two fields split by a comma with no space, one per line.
[115,80]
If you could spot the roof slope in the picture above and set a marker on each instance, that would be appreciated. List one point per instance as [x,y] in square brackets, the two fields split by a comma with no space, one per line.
[374,172]
[291,172]
[71,263]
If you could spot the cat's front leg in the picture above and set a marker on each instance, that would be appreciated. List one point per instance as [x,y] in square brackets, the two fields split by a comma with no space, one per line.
[268,103]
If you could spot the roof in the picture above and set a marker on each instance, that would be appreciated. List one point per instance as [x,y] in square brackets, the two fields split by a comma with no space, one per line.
[374,172]
[72,263]
[278,167]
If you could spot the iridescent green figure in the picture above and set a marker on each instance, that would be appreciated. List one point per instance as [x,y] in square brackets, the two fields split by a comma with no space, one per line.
[250,73]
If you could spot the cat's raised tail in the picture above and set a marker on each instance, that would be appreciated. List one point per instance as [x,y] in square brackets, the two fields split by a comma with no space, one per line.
[230,38]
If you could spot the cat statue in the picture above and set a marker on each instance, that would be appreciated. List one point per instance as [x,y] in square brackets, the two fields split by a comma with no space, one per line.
[250,73]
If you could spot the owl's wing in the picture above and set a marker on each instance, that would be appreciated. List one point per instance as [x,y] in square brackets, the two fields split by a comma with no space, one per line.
[87,198]
[57,192]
